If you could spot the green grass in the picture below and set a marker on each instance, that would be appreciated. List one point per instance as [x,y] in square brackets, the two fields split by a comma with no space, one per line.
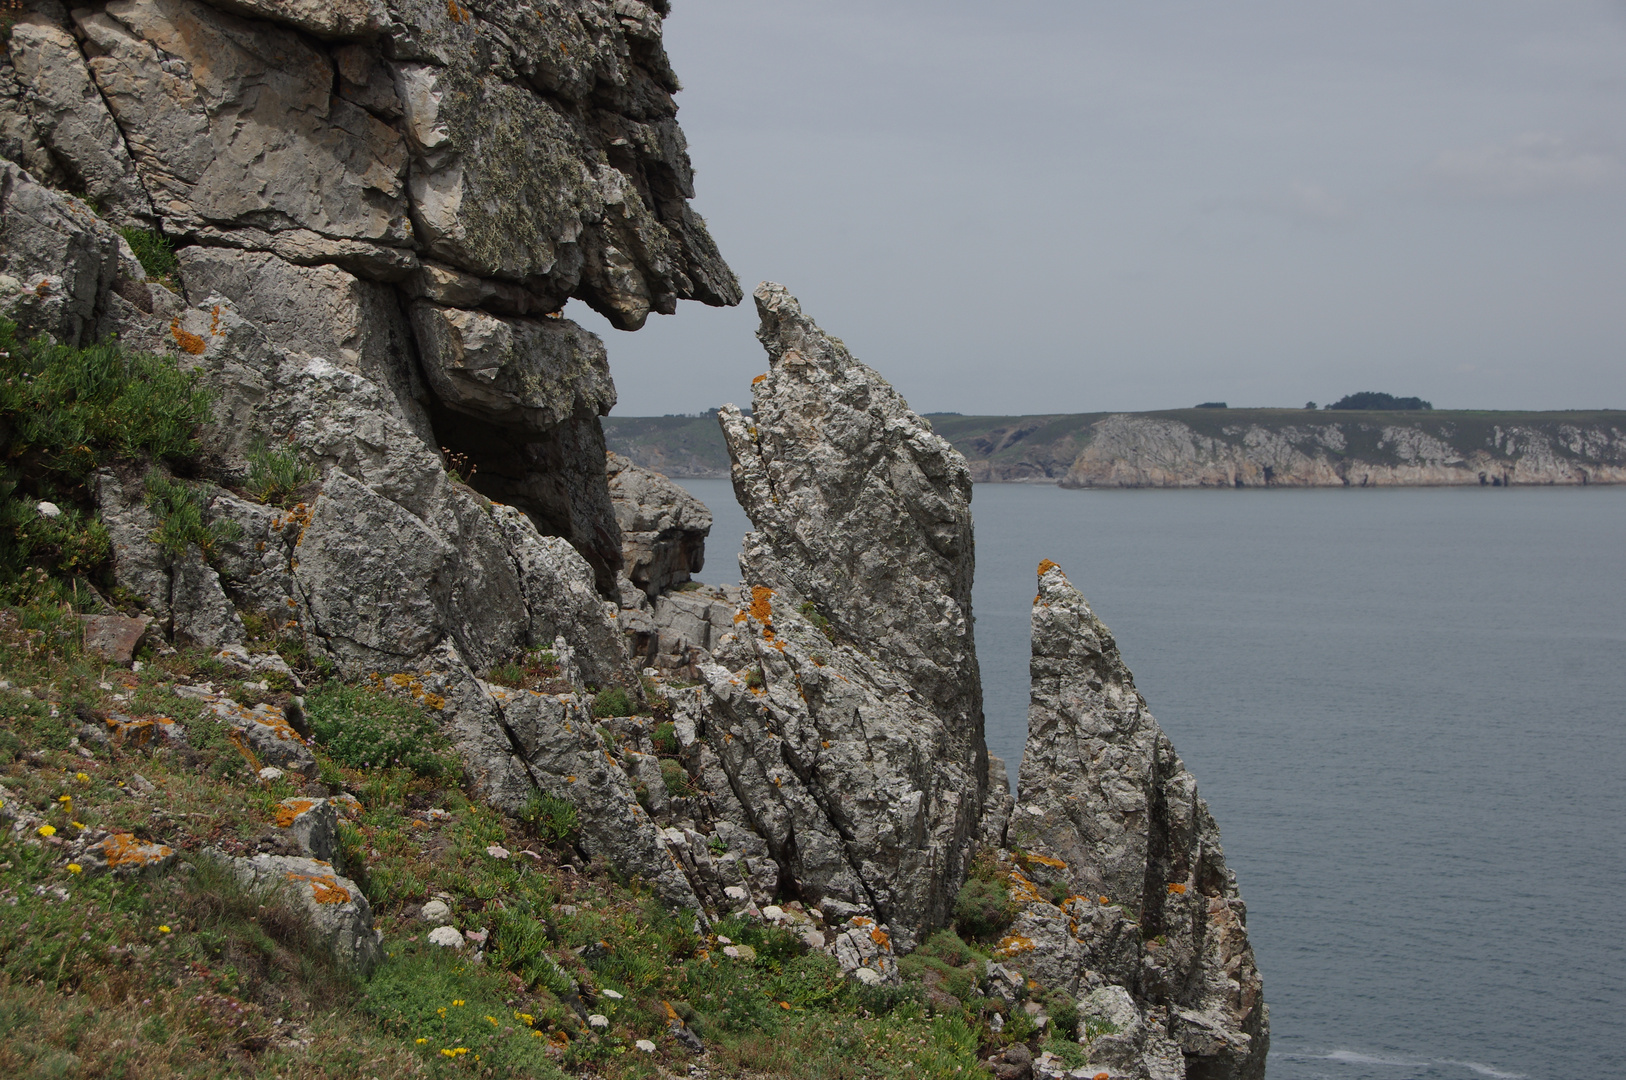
[275,475]
[155,253]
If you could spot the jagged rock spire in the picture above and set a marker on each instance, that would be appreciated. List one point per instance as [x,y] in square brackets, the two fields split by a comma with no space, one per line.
[1102,791]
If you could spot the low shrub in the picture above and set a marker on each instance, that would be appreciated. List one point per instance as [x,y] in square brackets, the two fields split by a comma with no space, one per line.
[180,518]
[361,727]
[983,908]
[70,410]
[550,817]
[613,702]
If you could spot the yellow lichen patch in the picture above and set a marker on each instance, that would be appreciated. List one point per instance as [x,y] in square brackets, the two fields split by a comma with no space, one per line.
[758,379]
[1177,887]
[325,888]
[1045,566]
[762,604]
[740,616]
[289,809]
[123,850]
[878,936]
[1013,944]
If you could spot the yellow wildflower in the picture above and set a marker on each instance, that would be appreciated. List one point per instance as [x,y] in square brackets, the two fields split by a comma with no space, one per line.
[420,1042]
[68,799]
[83,778]
[77,824]
[75,868]
[493,1020]
[163,929]
[526,1018]
[47,830]
[457,1001]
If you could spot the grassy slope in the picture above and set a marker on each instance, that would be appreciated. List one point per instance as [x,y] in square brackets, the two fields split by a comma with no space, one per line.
[1007,440]
[188,975]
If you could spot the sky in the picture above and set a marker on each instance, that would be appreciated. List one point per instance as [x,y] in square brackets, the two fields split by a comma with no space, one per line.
[1037,206]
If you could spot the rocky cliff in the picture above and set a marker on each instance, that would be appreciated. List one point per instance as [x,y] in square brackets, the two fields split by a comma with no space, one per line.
[377,211]
[357,225]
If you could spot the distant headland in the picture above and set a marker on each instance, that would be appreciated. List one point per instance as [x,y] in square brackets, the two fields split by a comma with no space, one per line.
[1408,444]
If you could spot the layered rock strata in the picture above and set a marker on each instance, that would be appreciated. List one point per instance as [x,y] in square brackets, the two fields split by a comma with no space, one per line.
[859,508]
[1108,816]
[845,709]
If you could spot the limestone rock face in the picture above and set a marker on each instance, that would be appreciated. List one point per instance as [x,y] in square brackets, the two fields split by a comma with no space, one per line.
[72,122]
[863,511]
[857,787]
[1105,806]
[663,527]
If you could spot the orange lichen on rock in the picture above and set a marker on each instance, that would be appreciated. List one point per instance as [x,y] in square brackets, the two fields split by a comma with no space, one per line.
[122,851]
[1176,887]
[878,936]
[185,340]
[289,809]
[1045,565]
[325,888]
[758,379]
[1043,860]
[762,604]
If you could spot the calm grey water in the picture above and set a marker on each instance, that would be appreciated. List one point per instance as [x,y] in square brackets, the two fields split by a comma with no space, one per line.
[1407,710]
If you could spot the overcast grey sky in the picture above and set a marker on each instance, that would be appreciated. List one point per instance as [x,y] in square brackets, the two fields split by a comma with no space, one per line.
[1042,206]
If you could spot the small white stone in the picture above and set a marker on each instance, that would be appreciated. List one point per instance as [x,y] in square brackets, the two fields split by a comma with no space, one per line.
[613,995]
[645,1045]
[996,1022]
[598,1021]
[49,510]
[447,937]
[868,976]
[814,939]
[270,773]
[737,894]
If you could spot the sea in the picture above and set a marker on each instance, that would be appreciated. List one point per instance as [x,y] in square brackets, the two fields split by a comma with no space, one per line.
[1407,711]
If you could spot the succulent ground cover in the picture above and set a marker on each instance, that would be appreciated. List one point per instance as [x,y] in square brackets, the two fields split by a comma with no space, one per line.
[190,973]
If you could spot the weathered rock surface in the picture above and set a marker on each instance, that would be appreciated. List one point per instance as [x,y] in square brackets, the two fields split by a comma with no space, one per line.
[860,509]
[663,527]
[1105,806]
[844,710]
[338,911]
